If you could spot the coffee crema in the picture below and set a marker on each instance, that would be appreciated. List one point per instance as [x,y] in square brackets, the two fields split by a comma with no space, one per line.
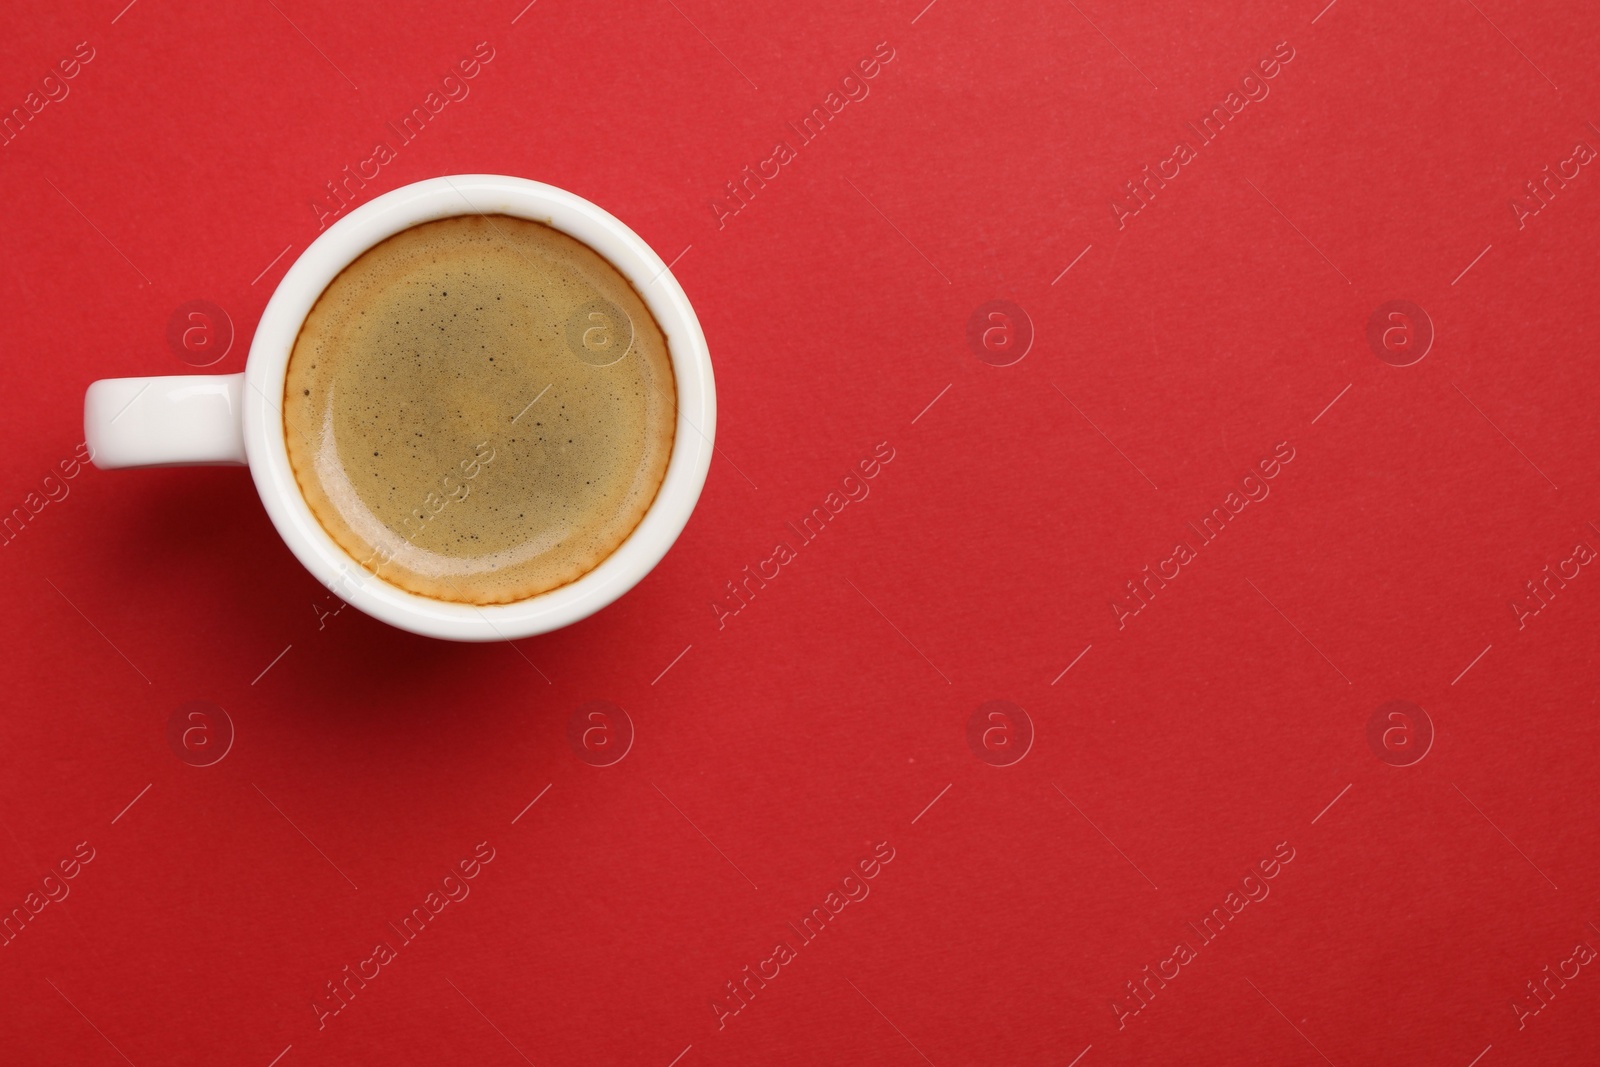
[479,409]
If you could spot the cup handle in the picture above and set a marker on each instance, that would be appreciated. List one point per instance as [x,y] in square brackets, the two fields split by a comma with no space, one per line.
[181,421]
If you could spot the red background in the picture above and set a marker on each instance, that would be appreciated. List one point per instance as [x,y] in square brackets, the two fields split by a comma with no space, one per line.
[825,716]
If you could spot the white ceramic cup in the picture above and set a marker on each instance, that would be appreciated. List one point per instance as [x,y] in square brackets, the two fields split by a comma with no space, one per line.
[236,418]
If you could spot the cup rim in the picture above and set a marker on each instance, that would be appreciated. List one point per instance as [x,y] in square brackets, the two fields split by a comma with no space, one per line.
[447,197]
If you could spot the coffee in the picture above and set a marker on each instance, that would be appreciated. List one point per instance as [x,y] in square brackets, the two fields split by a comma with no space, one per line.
[479,409]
